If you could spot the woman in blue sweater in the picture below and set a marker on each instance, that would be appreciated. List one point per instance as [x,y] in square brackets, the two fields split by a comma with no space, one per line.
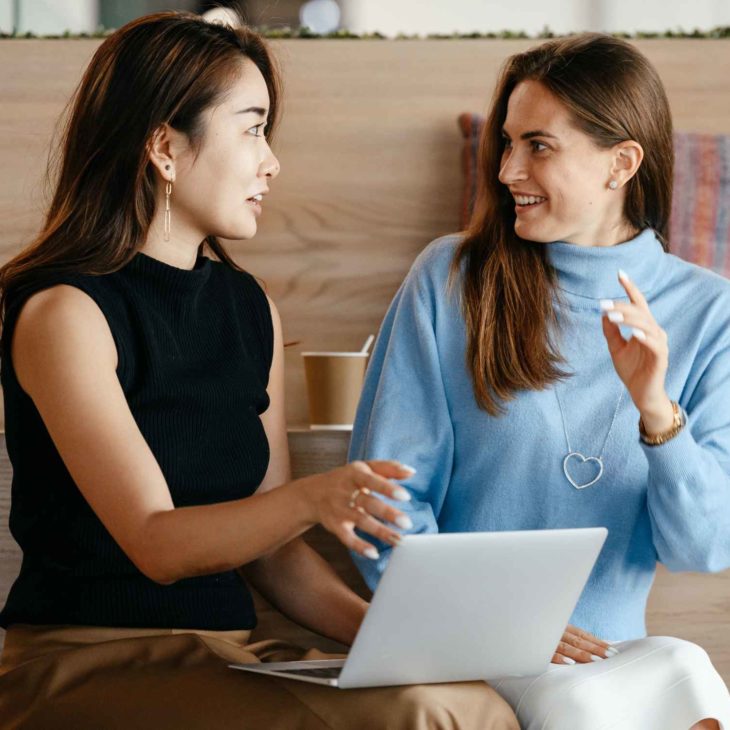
[558,367]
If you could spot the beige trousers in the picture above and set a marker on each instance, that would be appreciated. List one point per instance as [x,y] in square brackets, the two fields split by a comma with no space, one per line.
[97,678]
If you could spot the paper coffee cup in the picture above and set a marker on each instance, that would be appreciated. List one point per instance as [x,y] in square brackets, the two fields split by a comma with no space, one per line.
[334,383]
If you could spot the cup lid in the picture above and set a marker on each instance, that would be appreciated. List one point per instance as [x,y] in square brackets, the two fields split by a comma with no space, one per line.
[335,354]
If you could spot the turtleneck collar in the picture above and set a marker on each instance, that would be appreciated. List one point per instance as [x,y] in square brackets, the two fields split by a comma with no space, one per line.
[592,271]
[182,280]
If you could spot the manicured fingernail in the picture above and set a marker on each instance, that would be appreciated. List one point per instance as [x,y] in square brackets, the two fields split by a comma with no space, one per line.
[371,553]
[639,334]
[611,651]
[404,522]
[395,539]
[623,275]
[568,660]
[401,495]
[606,304]
[615,317]
[595,658]
[405,467]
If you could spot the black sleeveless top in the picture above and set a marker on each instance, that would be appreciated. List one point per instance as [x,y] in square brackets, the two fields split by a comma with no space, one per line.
[195,349]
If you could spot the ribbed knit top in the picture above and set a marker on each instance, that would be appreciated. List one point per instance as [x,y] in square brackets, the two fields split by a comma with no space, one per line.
[194,351]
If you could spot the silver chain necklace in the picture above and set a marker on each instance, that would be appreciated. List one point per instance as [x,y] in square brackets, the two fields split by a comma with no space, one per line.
[576,454]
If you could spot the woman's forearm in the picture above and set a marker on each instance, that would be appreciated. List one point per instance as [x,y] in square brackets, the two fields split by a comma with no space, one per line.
[199,540]
[303,586]
[183,542]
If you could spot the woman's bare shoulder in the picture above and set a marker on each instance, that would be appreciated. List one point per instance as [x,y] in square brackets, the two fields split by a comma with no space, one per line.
[59,324]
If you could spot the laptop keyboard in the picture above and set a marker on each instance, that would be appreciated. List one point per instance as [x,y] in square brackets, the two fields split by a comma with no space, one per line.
[324,672]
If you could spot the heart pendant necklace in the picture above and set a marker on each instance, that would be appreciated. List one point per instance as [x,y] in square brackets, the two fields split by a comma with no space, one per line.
[577,456]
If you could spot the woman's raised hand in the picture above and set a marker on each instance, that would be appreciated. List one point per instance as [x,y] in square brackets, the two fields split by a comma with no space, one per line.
[641,361]
[578,646]
[344,499]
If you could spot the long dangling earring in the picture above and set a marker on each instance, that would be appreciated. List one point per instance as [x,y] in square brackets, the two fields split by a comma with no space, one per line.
[168,193]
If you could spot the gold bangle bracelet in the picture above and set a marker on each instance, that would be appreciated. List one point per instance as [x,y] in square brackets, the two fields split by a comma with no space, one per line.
[662,438]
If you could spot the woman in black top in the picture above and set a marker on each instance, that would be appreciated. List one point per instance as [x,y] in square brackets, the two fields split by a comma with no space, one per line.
[145,421]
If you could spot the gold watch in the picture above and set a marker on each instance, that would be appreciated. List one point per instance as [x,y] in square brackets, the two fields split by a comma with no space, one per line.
[662,438]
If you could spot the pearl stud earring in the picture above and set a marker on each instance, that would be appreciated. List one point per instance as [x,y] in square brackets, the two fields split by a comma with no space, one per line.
[613,184]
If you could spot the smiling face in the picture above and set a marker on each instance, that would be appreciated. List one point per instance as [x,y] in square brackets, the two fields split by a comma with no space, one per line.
[218,188]
[557,175]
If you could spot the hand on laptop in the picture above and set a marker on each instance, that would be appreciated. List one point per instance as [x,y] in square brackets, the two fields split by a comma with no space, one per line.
[578,646]
[343,501]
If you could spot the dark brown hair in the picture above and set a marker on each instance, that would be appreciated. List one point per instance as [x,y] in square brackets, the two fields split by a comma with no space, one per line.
[613,94]
[160,68]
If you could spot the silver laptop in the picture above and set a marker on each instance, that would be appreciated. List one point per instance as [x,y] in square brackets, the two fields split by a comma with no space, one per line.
[462,606]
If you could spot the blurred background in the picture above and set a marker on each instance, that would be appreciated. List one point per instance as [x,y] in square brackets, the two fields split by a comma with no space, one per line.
[389,17]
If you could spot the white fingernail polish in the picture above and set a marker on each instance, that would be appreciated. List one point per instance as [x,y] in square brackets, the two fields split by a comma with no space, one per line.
[401,495]
[568,660]
[371,553]
[639,334]
[611,651]
[595,658]
[606,304]
[615,317]
[623,275]
[404,522]
[405,467]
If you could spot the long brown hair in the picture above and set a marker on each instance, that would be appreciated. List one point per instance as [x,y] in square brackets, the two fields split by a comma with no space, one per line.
[614,95]
[160,68]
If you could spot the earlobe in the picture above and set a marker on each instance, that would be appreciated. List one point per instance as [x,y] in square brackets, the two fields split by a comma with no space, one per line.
[626,161]
[160,153]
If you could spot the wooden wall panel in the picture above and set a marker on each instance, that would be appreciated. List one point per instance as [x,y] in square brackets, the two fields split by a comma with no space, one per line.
[369,148]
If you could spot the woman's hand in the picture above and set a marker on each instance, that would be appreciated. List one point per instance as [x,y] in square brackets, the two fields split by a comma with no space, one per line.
[581,647]
[342,500]
[641,361]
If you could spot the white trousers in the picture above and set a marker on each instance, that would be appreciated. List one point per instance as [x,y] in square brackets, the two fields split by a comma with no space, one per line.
[657,683]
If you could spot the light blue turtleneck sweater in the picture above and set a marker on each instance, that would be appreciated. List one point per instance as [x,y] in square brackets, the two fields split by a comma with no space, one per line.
[477,472]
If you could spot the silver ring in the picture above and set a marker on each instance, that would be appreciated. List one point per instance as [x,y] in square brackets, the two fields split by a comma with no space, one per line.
[353,498]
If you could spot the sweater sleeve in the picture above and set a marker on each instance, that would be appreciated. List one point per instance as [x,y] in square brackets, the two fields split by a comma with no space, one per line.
[689,478]
[403,412]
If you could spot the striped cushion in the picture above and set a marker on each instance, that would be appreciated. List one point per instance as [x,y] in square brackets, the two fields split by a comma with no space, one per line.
[699,227]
